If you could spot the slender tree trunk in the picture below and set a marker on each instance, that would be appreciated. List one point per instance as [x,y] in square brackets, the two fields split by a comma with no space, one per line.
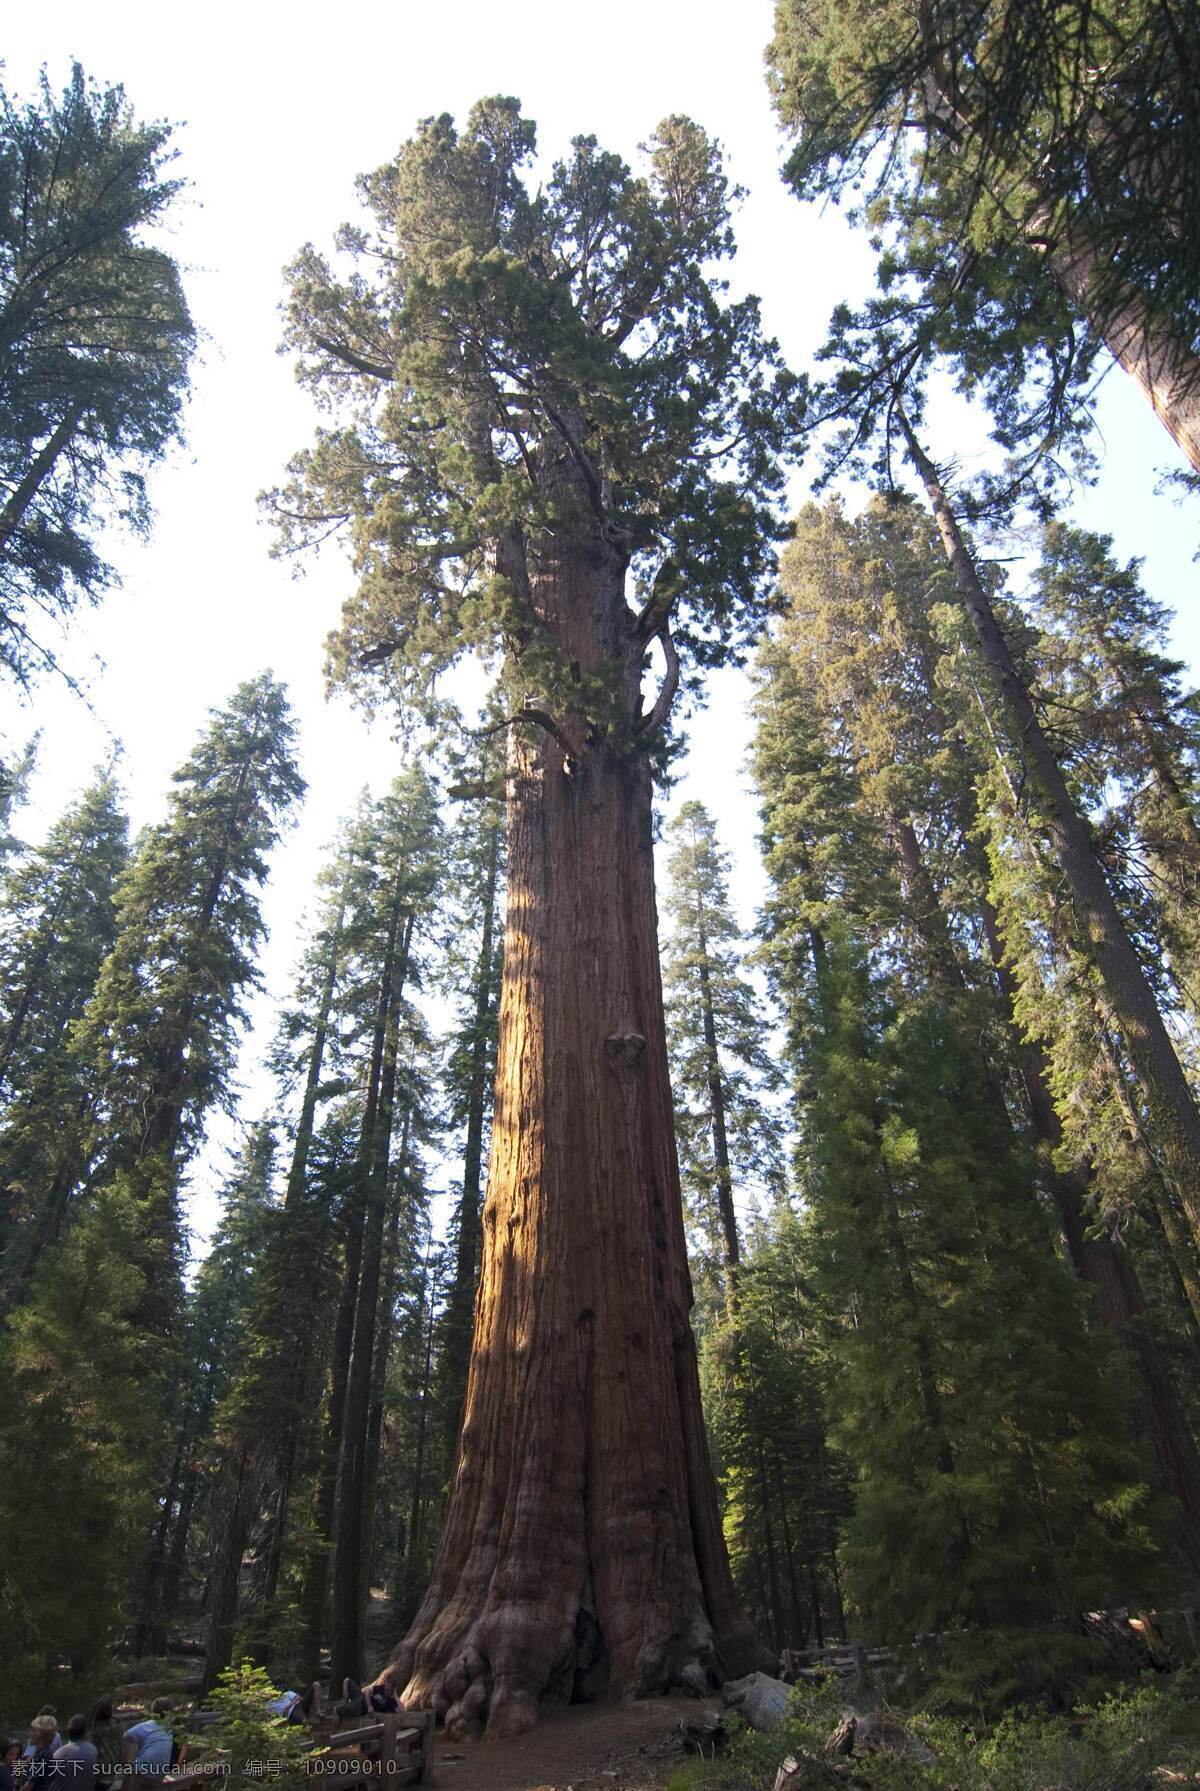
[316,1576]
[814,1595]
[383,1346]
[716,1114]
[236,1506]
[416,1517]
[583,1513]
[768,1535]
[789,1557]
[177,1553]
[1169,1103]
[456,1322]
[149,1635]
[42,464]
[349,1611]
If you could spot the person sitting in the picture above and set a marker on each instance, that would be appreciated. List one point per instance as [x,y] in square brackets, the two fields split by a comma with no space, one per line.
[37,1759]
[305,1705]
[12,1753]
[105,1736]
[77,1760]
[366,1700]
[146,1747]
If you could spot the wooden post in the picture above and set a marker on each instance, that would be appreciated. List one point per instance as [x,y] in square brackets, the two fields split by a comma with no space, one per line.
[387,1748]
[425,1719]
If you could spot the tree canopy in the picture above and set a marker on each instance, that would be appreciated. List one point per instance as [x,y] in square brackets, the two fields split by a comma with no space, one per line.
[494,355]
[95,343]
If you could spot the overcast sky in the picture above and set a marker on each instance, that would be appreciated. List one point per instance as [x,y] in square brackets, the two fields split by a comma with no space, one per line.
[279,107]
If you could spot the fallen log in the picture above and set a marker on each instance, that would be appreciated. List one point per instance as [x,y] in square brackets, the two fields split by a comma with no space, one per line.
[155,1688]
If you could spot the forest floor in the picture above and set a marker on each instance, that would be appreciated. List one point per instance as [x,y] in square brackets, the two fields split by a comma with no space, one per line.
[589,1747]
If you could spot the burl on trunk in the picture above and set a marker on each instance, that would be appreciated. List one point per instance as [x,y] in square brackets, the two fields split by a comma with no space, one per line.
[583,1550]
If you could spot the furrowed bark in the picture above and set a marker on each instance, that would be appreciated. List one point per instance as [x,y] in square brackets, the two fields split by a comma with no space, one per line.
[582,1545]
[1169,1103]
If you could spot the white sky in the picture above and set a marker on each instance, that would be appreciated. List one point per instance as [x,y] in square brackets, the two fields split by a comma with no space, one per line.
[280,107]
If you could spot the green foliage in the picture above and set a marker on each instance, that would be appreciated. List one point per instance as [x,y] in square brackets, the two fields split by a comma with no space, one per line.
[162,1024]
[1127,729]
[77,1435]
[764,1375]
[501,363]
[95,341]
[57,925]
[1115,1744]
[970,1392]
[723,1075]
[996,142]
[250,1735]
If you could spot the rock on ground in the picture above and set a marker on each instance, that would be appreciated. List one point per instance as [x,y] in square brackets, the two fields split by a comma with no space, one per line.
[762,1701]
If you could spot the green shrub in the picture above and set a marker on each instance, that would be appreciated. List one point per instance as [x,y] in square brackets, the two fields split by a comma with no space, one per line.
[1113,1745]
[261,1748]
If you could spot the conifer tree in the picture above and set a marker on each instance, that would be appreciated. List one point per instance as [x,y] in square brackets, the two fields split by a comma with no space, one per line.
[225,1297]
[16,771]
[1002,1439]
[76,1431]
[924,1206]
[409,861]
[722,1071]
[862,672]
[765,1378]
[1037,160]
[270,1403]
[1128,732]
[724,1078]
[58,925]
[95,341]
[162,1024]
[554,440]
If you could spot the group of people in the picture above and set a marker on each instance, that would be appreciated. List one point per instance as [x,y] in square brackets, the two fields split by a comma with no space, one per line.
[356,1701]
[96,1754]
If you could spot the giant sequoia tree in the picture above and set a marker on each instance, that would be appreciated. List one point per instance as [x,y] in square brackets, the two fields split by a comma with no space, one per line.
[554,439]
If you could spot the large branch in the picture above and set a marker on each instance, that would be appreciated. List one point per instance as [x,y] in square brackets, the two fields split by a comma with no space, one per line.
[532,712]
[670,684]
[360,363]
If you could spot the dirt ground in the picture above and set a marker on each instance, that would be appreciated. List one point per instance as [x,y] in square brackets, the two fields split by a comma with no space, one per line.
[589,1747]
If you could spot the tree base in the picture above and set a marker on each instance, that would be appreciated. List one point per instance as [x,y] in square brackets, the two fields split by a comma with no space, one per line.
[505,1686]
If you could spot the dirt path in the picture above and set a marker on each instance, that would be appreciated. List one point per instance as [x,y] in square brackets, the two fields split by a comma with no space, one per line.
[590,1747]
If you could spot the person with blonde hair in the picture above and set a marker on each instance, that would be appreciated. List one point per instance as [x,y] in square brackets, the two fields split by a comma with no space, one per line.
[38,1758]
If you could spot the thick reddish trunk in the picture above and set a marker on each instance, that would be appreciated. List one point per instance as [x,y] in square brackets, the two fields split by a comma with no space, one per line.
[1166,369]
[582,1546]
